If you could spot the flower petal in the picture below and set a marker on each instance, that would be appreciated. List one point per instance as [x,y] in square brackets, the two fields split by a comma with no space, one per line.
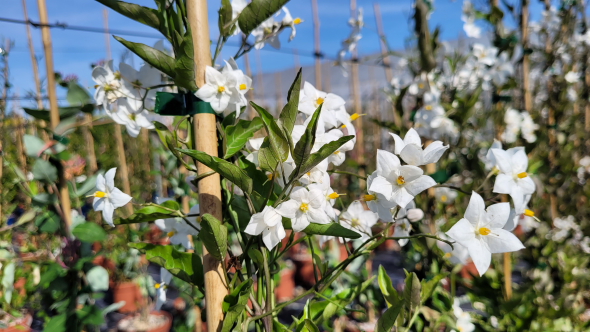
[409,172]
[475,211]
[433,152]
[386,162]
[288,209]
[502,241]
[412,154]
[480,255]
[412,137]
[110,178]
[107,213]
[402,197]
[497,215]
[462,232]
[419,185]
[381,186]
[504,183]
[503,160]
[118,198]
[399,143]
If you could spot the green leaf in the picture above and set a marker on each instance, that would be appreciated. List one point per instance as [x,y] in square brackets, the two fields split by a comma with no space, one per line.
[141,14]
[234,305]
[309,326]
[64,112]
[77,95]
[33,145]
[152,212]
[184,71]
[98,279]
[256,255]
[278,141]
[303,148]
[387,289]
[89,232]
[412,291]
[84,188]
[239,206]
[257,12]
[267,158]
[429,286]
[236,136]
[226,28]
[323,153]
[228,170]
[91,315]
[289,113]
[387,321]
[214,236]
[183,265]
[56,323]
[332,229]
[44,171]
[156,58]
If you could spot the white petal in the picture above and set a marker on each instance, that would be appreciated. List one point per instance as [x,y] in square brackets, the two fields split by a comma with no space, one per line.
[98,203]
[504,183]
[419,185]
[480,256]
[402,197]
[462,232]
[502,240]
[318,216]
[503,161]
[299,194]
[382,186]
[316,198]
[107,213]
[433,152]
[118,198]
[520,161]
[110,178]
[399,144]
[412,154]
[412,137]
[386,162]
[207,92]
[256,225]
[527,185]
[288,209]
[497,215]
[270,238]
[409,172]
[100,183]
[300,222]
[475,209]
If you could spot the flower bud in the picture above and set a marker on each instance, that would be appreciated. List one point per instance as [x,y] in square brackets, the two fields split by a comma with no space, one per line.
[415,214]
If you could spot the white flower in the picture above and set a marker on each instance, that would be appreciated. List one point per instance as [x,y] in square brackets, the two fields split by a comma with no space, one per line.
[165,279]
[137,81]
[410,212]
[472,30]
[310,99]
[525,218]
[178,230]
[378,203]
[572,77]
[358,219]
[269,224]
[457,254]
[289,21]
[330,196]
[480,231]
[107,198]
[396,182]
[318,174]
[402,229]
[528,127]
[445,195]
[489,160]
[131,114]
[219,90]
[513,178]
[266,33]
[243,85]
[410,149]
[485,55]
[236,7]
[304,207]
[464,323]
[108,84]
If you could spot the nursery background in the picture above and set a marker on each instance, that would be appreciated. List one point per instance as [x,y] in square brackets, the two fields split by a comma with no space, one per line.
[305,165]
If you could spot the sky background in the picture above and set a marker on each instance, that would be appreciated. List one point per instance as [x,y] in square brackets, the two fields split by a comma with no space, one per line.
[75,51]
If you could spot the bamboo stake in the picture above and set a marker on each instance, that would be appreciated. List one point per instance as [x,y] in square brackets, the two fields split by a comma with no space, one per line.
[3,106]
[316,38]
[524,25]
[356,94]
[65,202]
[386,59]
[204,126]
[123,170]
[35,65]
[90,152]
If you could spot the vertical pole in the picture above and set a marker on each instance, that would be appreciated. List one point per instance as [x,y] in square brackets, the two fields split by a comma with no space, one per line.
[3,105]
[316,39]
[123,171]
[35,69]
[356,94]
[66,204]
[386,59]
[524,25]
[204,127]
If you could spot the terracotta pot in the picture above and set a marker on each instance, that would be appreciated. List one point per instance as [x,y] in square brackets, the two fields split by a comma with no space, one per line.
[22,325]
[286,287]
[128,292]
[165,327]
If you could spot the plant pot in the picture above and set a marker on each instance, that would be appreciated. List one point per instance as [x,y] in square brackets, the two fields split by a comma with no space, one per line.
[128,292]
[158,321]
[21,325]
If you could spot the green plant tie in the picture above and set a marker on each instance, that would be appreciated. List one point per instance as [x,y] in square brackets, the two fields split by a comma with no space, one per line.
[181,104]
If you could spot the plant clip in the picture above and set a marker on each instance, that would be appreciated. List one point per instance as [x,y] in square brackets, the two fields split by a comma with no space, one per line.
[180,104]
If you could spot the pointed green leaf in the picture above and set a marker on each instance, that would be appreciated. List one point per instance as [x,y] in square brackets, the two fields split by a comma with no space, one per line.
[89,232]
[303,147]
[289,113]
[323,153]
[44,171]
[226,28]
[387,289]
[153,212]
[235,305]
[387,321]
[141,14]
[183,265]
[156,58]
[429,286]
[228,170]
[278,141]
[257,12]
[236,136]
[412,291]
[214,236]
[332,229]
[267,158]
[77,95]
[64,112]
[184,69]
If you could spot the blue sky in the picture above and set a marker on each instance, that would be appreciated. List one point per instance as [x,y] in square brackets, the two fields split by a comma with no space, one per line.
[74,51]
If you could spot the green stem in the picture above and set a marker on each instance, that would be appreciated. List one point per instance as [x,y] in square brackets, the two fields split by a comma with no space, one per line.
[269,291]
[347,173]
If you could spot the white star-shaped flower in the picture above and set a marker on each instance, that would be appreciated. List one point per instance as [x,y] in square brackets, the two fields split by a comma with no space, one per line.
[410,149]
[269,224]
[130,113]
[513,178]
[161,287]
[178,230]
[304,207]
[107,197]
[480,231]
[359,220]
[310,99]
[219,90]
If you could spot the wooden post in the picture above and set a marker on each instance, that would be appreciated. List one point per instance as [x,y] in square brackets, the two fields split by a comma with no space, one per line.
[386,59]
[356,94]
[316,39]
[3,104]
[205,130]
[524,25]
[66,205]
[123,170]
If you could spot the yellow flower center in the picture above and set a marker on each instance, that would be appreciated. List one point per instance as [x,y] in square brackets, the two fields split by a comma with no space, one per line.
[297,21]
[319,101]
[270,176]
[96,86]
[484,231]
[343,126]
[421,85]
[355,222]
[400,180]
[447,255]
[243,86]
[132,116]
[171,233]
[443,198]
[522,175]
[117,75]
[529,213]
[100,194]
[428,107]
[369,198]
[336,152]
[157,286]
[333,196]
[221,89]
[355,116]
[304,207]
